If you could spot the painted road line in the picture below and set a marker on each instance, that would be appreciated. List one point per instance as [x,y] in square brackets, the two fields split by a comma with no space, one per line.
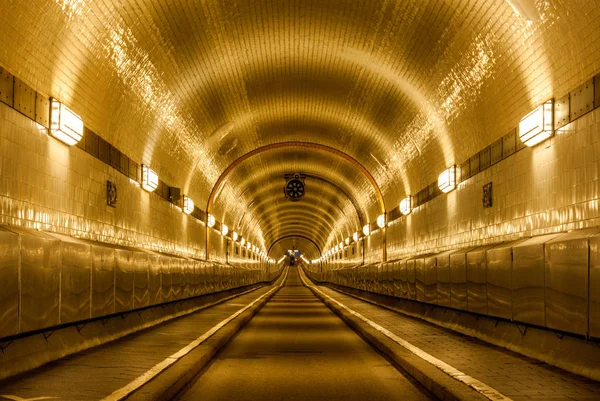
[482,388]
[127,390]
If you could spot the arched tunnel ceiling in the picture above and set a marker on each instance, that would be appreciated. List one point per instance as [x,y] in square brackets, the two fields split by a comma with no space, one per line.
[404,87]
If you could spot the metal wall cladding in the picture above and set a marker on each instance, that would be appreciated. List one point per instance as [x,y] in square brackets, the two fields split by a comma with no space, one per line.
[141,279]
[411,278]
[190,278]
[566,295]
[499,287]
[176,278]
[165,278]
[528,280]
[40,280]
[154,279]
[76,281]
[103,280]
[124,275]
[9,283]
[430,279]
[594,292]
[419,279]
[458,279]
[443,279]
[477,280]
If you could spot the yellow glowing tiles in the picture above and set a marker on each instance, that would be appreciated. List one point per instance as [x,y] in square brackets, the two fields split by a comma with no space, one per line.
[210,220]
[65,125]
[149,179]
[188,205]
[538,125]
[447,180]
[355,236]
[381,220]
[224,229]
[405,205]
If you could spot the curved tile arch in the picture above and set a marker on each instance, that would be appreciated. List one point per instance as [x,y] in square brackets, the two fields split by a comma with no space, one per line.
[309,145]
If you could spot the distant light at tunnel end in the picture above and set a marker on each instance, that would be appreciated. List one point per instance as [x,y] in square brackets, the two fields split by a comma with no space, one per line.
[538,125]
[447,180]
[65,125]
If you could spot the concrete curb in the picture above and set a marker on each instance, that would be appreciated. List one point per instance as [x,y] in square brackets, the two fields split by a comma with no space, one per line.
[173,379]
[434,380]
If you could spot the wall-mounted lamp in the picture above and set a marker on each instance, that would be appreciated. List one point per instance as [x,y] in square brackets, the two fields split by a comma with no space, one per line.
[341,245]
[538,125]
[405,205]
[65,125]
[210,220]
[348,241]
[243,241]
[188,205]
[366,230]
[355,236]
[235,236]
[149,179]
[447,180]
[381,220]
[224,229]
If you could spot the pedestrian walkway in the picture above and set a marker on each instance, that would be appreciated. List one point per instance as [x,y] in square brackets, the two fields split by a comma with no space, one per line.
[513,375]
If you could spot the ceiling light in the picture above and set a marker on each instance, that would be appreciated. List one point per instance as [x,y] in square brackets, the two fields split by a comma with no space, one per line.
[538,125]
[188,205]
[447,180]
[65,125]
[210,220]
[149,179]
[405,205]
[366,230]
[381,220]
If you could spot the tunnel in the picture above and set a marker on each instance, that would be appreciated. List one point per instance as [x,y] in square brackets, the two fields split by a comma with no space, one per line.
[299,200]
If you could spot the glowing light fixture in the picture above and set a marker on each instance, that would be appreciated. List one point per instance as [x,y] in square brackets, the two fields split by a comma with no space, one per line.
[348,241]
[355,236]
[381,220]
[210,220]
[538,125]
[149,179]
[65,125]
[243,241]
[249,245]
[281,260]
[224,229]
[188,205]
[341,245]
[366,229]
[235,236]
[447,180]
[405,205]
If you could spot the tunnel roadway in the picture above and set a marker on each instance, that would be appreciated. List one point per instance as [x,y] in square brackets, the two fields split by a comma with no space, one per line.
[295,348]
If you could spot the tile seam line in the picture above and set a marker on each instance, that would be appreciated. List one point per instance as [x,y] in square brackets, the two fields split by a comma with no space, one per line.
[134,385]
[482,388]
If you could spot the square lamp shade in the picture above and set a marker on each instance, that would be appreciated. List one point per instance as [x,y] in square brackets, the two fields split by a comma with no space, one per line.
[188,205]
[447,180]
[366,229]
[538,125]
[381,220]
[65,125]
[149,179]
[405,205]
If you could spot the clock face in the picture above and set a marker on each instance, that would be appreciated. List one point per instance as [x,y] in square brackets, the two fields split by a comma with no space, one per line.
[294,189]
